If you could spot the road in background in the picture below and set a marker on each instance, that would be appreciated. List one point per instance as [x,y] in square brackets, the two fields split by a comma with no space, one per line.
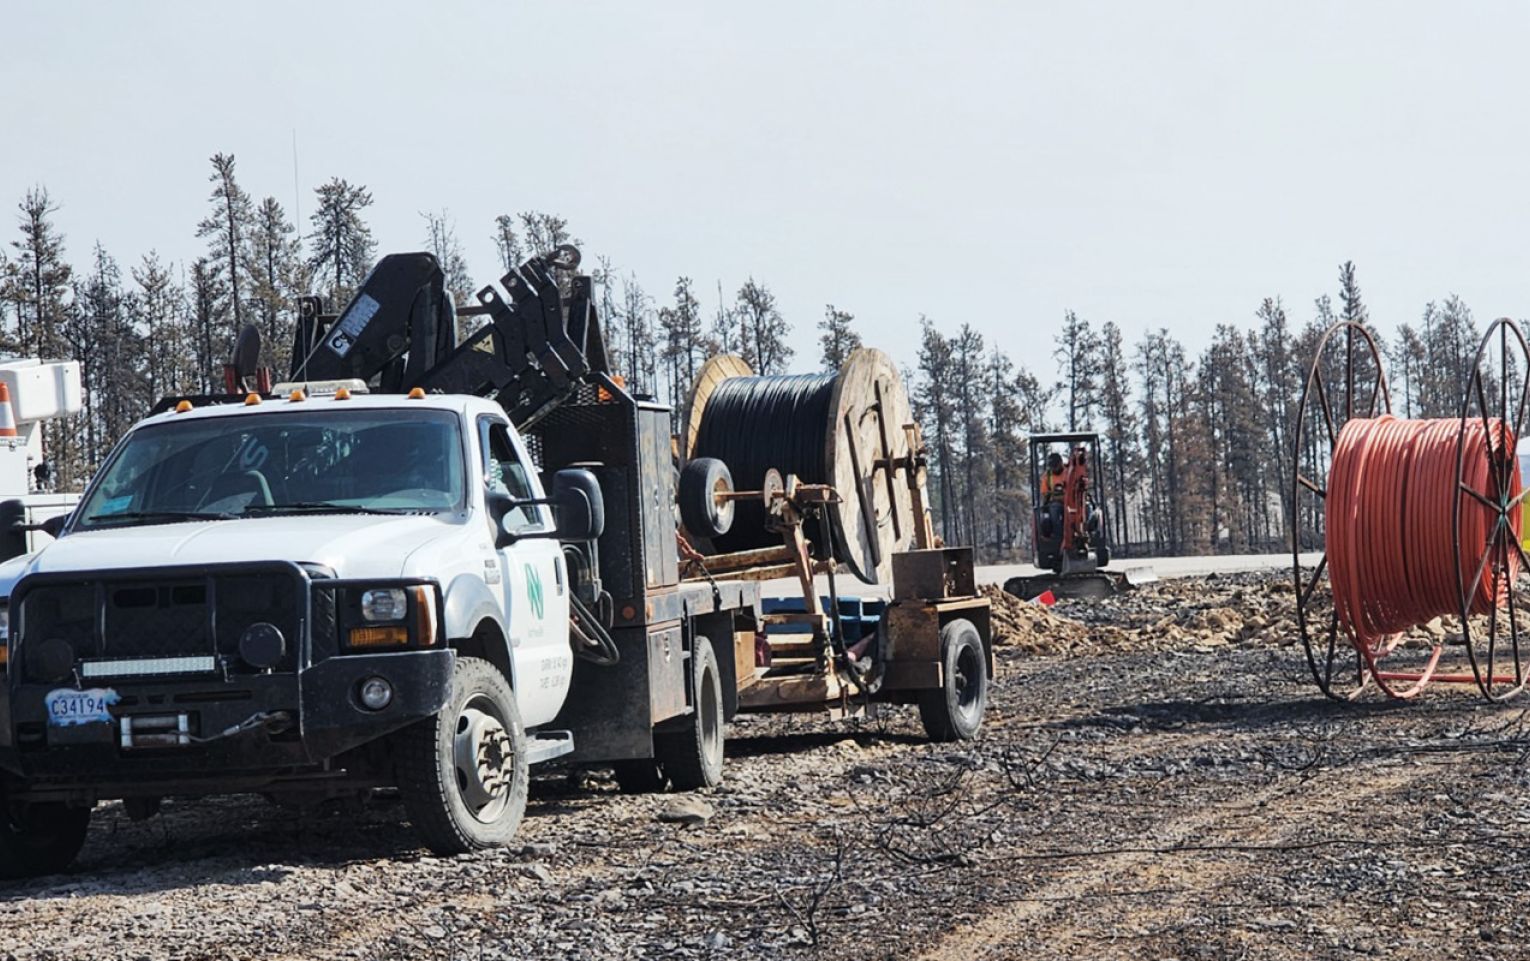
[1163,567]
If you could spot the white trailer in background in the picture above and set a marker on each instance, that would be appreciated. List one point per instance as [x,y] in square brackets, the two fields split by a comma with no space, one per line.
[40,391]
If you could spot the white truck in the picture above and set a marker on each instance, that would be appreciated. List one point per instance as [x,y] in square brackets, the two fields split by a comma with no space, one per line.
[249,590]
[358,581]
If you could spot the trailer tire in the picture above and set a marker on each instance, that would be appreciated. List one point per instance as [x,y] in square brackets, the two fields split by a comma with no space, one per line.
[954,711]
[639,776]
[41,838]
[464,773]
[700,483]
[692,757]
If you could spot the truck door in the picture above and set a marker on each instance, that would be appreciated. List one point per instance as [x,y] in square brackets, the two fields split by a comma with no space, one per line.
[532,579]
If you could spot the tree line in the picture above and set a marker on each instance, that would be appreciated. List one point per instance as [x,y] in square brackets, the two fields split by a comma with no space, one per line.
[1195,448]
[161,328]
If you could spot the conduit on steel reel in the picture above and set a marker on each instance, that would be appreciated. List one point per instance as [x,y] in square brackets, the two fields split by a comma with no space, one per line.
[1419,521]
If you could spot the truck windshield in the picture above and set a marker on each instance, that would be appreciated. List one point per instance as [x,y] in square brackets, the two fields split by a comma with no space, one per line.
[259,465]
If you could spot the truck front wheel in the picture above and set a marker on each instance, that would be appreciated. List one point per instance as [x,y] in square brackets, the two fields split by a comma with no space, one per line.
[40,838]
[464,774]
[692,756]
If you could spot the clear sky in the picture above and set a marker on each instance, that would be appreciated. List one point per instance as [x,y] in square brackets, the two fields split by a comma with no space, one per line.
[996,163]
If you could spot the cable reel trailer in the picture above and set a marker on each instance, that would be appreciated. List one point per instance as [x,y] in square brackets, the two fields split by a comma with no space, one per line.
[808,478]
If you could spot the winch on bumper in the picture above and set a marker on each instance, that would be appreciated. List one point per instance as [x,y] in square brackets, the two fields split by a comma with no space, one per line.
[212,678]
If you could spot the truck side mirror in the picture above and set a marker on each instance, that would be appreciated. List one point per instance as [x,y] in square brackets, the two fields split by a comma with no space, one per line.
[579,510]
[499,505]
[14,528]
[54,525]
[578,505]
[13,533]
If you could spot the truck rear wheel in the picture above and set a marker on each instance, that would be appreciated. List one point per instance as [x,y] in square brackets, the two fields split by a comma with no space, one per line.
[464,773]
[693,755]
[954,711]
[40,838]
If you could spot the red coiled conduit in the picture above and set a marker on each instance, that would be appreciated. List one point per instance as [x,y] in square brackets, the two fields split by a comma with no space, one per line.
[1390,500]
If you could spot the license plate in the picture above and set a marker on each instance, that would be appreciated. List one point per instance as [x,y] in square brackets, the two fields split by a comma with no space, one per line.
[68,707]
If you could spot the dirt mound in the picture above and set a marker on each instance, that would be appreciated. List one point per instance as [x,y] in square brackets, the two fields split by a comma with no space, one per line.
[1038,629]
[1202,612]
[1033,628]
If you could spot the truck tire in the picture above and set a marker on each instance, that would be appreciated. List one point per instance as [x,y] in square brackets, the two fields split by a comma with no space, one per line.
[954,711]
[464,773]
[41,838]
[692,757]
[700,483]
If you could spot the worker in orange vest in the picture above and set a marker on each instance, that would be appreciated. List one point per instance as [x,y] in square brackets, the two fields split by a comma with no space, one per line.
[1052,495]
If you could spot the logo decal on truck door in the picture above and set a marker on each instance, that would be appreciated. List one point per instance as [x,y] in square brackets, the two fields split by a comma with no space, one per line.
[534,591]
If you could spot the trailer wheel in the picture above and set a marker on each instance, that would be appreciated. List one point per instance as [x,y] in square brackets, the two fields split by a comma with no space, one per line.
[464,774]
[693,756]
[41,838]
[954,711]
[700,483]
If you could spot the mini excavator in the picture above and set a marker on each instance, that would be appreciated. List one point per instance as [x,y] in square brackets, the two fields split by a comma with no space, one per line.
[1070,535]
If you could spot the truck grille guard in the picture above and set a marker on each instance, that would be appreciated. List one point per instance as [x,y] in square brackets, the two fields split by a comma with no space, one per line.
[175,622]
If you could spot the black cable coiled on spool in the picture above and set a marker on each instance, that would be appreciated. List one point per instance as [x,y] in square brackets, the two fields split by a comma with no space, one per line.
[755,423]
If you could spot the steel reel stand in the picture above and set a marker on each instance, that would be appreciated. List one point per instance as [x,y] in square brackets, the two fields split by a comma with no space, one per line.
[1498,406]
[1347,354]
[789,505]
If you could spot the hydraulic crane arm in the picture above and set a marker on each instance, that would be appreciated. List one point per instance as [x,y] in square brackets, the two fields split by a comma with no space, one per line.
[531,354]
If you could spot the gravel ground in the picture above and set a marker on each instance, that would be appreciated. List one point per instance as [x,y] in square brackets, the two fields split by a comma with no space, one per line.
[1195,802]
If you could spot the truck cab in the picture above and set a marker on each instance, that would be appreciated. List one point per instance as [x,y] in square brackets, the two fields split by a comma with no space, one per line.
[302,595]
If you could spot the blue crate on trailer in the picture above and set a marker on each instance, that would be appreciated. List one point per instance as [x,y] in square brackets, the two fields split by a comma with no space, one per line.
[859,616]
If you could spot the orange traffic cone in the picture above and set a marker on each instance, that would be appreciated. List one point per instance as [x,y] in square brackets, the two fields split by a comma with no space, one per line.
[7,413]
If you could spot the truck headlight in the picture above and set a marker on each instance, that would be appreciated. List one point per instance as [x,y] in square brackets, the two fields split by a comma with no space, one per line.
[5,622]
[384,605]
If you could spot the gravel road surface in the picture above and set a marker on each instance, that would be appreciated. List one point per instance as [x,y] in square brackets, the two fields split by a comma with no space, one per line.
[1188,798]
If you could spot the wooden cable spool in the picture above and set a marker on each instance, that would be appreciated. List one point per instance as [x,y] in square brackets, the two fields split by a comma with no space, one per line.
[860,447]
